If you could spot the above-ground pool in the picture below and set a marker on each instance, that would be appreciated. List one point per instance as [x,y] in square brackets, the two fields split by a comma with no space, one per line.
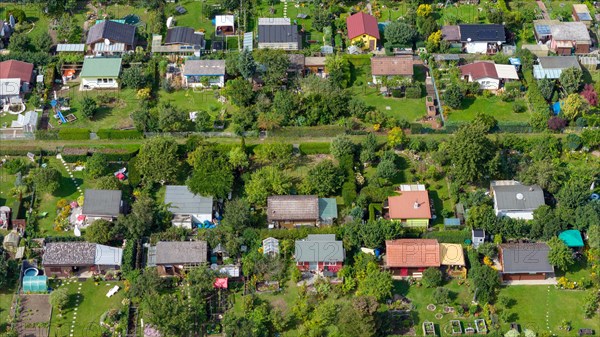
[31,272]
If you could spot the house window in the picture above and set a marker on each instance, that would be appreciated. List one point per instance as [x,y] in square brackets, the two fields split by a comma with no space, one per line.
[110,80]
[105,80]
[329,263]
[99,80]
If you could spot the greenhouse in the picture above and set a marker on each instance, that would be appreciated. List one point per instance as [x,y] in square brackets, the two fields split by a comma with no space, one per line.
[35,284]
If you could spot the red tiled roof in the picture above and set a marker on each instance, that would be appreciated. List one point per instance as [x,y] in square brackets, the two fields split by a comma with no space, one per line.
[392,66]
[410,205]
[479,70]
[362,23]
[412,253]
[16,69]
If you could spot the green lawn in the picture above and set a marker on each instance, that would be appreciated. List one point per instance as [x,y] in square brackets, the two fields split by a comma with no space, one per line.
[533,303]
[407,109]
[502,111]
[93,303]
[196,16]
[47,202]
[6,297]
[7,182]
[117,115]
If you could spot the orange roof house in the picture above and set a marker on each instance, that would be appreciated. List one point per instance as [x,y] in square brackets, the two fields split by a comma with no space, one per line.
[409,257]
[411,206]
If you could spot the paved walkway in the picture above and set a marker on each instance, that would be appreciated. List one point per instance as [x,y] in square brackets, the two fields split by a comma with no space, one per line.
[549,281]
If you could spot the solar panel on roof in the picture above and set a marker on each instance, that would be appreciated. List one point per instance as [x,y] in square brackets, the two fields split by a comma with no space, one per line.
[584,16]
[543,29]
[248,41]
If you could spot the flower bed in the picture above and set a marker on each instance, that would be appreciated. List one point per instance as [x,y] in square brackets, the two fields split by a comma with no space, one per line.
[431,307]
[428,328]
[480,326]
[456,328]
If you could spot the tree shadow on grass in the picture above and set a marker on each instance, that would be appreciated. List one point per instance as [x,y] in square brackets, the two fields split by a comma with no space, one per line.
[67,186]
[467,102]
[400,287]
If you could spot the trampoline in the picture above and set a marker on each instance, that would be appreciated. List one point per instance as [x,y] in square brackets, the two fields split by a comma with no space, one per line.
[131,19]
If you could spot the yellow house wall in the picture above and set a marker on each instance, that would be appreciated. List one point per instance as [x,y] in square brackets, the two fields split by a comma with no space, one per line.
[366,40]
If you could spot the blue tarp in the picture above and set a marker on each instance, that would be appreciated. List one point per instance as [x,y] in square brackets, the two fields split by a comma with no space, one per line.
[556,107]
[451,222]
[515,61]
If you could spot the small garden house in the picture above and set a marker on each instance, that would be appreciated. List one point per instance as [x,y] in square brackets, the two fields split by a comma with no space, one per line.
[100,73]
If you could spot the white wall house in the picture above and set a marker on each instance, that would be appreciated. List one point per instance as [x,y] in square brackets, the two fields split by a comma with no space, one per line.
[476,47]
[100,73]
[188,208]
[514,200]
[204,73]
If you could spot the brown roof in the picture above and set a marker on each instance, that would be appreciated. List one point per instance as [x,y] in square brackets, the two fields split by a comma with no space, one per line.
[313,61]
[410,205]
[392,66]
[451,33]
[16,69]
[479,70]
[412,253]
[292,207]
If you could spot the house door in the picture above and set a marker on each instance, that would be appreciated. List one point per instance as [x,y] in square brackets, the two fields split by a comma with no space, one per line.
[371,44]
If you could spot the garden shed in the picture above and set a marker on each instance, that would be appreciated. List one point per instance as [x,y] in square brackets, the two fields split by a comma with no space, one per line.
[35,284]
[11,241]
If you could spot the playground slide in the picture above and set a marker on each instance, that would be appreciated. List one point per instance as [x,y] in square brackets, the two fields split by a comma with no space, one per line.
[60,115]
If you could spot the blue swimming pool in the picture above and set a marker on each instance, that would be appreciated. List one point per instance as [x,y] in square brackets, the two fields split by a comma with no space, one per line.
[31,272]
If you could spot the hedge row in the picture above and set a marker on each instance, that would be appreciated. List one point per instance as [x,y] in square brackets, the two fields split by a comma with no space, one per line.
[119,134]
[450,236]
[314,148]
[314,131]
[75,154]
[73,134]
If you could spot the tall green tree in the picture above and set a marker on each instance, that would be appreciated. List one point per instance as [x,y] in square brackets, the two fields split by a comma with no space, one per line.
[237,214]
[571,80]
[158,160]
[323,179]
[471,154]
[342,146]
[45,179]
[267,181]
[399,33]
[89,107]
[96,165]
[99,232]
[275,63]
[368,151]
[339,70]
[169,313]
[212,173]
[246,65]
[59,298]
[42,42]
[240,92]
[560,255]
[173,119]
[376,283]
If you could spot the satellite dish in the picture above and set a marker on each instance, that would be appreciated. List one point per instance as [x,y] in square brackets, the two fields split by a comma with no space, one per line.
[469,40]
[520,196]
[107,42]
[76,231]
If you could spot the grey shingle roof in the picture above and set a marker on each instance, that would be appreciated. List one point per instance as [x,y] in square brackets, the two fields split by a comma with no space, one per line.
[204,67]
[69,254]
[570,31]
[184,35]
[559,62]
[183,252]
[525,258]
[114,31]
[319,248]
[518,197]
[478,233]
[185,202]
[292,207]
[278,34]
[102,203]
